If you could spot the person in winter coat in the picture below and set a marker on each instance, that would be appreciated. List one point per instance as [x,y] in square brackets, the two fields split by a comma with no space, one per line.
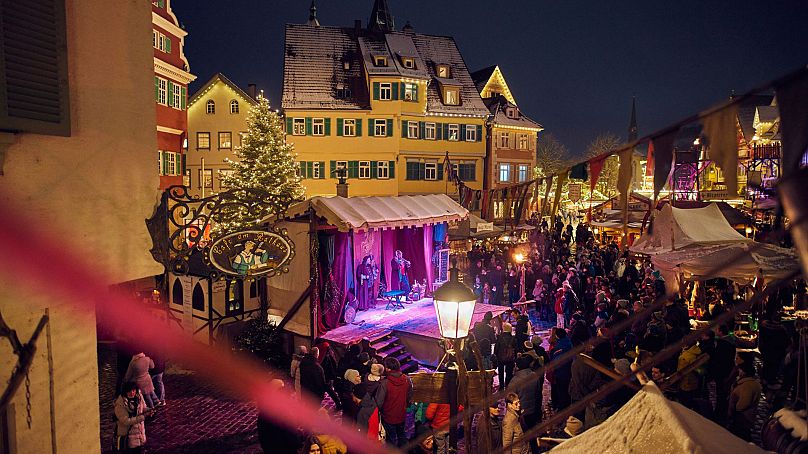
[130,412]
[397,395]
[495,430]
[690,383]
[505,351]
[559,308]
[350,408]
[560,383]
[528,388]
[438,416]
[138,372]
[157,378]
[370,395]
[511,429]
[274,437]
[743,401]
[312,377]
[294,369]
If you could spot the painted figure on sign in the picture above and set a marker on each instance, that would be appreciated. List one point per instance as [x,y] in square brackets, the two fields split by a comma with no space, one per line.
[250,258]
[400,265]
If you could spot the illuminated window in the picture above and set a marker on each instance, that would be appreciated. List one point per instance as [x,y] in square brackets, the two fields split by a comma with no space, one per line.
[385,91]
[523,172]
[380,127]
[443,71]
[430,171]
[206,178]
[299,126]
[451,97]
[225,140]
[318,127]
[176,94]
[349,127]
[364,170]
[504,140]
[382,170]
[429,131]
[504,173]
[233,106]
[412,129]
[203,140]
[380,60]
[471,133]
[409,63]
[210,107]
[523,142]
[162,91]
[410,92]
[454,132]
[315,169]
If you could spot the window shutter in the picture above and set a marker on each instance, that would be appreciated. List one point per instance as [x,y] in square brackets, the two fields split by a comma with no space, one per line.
[183,94]
[168,45]
[446,131]
[421,170]
[322,170]
[339,127]
[416,93]
[374,169]
[371,124]
[392,169]
[332,167]
[375,91]
[328,126]
[439,131]
[462,133]
[171,94]
[309,169]
[353,169]
[402,93]
[308,126]
[302,165]
[395,91]
[390,127]
[289,125]
[421,129]
[156,89]
[440,171]
[404,129]
[358,127]
[164,170]
[182,166]
[479,133]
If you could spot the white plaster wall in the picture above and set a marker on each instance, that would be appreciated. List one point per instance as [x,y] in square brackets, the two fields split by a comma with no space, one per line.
[93,189]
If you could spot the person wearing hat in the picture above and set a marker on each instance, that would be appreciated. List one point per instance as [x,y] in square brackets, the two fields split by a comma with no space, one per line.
[505,352]
[494,430]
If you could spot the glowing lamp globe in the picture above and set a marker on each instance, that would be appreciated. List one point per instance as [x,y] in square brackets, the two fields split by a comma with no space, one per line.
[519,257]
[454,305]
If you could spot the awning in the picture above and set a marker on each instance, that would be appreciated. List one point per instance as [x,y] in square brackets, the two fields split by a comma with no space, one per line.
[470,228]
[365,213]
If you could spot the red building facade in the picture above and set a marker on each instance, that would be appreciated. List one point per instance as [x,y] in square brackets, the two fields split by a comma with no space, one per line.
[171,79]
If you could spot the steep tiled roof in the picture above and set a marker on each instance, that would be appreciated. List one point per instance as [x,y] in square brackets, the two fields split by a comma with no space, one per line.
[498,106]
[481,76]
[220,77]
[313,69]
[746,113]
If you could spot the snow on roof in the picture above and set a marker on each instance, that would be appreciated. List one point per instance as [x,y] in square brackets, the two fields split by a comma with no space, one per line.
[650,423]
[313,69]
[498,106]
[219,77]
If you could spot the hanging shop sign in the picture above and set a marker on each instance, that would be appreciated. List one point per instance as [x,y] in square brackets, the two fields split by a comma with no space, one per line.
[252,253]
[485,227]
[574,192]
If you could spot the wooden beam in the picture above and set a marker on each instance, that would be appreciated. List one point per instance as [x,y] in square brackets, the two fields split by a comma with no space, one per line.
[589,361]
[698,362]
[295,307]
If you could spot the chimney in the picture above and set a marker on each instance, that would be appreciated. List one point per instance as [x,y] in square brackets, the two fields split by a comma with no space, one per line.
[357,25]
[251,90]
[342,190]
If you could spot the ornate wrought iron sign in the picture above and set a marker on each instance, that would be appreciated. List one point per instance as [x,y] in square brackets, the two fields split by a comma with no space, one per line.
[252,253]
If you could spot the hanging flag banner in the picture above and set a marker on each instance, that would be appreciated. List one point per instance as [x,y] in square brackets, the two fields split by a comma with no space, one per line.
[722,136]
[663,159]
[574,193]
[649,160]
[595,167]
[791,97]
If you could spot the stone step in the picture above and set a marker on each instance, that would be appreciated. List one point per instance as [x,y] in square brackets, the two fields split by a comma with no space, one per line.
[392,351]
[403,358]
[410,367]
[384,343]
[375,337]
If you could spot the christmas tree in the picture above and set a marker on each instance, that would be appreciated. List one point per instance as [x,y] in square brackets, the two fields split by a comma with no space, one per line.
[263,178]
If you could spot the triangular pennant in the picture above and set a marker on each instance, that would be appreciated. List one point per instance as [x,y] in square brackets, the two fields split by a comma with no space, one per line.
[722,136]
[663,159]
[649,160]
[595,167]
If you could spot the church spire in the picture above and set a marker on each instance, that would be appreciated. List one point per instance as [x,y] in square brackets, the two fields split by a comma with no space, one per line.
[632,126]
[381,19]
[313,15]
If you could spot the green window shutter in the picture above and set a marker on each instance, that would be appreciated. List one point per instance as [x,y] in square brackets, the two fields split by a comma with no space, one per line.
[182,166]
[302,165]
[309,169]
[339,128]
[421,170]
[392,169]
[156,89]
[439,131]
[395,91]
[462,133]
[402,92]
[327,126]
[371,132]
[289,125]
[404,129]
[375,91]
[416,93]
[332,167]
[353,169]
[440,171]
[308,126]
[165,164]
[390,127]
[358,127]
[170,94]
[374,167]
[446,131]
[479,133]
[322,170]
[183,95]
[168,45]
[421,129]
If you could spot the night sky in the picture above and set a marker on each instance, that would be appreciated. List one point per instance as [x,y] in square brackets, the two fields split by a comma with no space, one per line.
[572,65]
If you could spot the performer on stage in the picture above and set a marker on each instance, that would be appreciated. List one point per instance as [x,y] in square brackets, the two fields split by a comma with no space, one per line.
[400,265]
[366,275]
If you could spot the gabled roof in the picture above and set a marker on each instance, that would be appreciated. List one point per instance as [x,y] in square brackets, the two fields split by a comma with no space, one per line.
[499,105]
[484,78]
[220,78]
[481,76]
[746,113]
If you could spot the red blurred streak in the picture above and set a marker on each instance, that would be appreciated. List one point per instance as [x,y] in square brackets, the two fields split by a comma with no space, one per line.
[47,265]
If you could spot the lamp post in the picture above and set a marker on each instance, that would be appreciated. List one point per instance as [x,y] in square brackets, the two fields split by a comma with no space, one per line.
[519,258]
[454,306]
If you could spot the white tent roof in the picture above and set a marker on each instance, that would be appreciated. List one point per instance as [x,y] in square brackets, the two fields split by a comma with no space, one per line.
[365,213]
[650,423]
[677,228]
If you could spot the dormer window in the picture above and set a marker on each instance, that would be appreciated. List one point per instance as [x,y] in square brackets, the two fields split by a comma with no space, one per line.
[443,72]
[408,62]
[380,60]
[510,112]
[451,96]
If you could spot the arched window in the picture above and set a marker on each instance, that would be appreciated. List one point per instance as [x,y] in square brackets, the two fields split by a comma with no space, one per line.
[210,107]
[233,106]
[176,293]
[234,299]
[198,298]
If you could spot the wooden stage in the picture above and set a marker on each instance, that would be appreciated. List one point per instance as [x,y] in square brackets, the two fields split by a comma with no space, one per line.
[417,323]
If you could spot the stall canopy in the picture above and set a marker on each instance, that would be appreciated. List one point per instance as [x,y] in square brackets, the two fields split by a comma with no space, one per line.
[366,213]
[678,228]
[471,228]
[650,423]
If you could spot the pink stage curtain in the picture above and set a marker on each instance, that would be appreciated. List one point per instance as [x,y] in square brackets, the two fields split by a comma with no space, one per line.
[428,249]
[337,281]
[388,249]
[367,243]
[409,241]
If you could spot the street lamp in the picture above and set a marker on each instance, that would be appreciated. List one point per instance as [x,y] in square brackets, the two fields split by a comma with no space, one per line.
[748,231]
[520,261]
